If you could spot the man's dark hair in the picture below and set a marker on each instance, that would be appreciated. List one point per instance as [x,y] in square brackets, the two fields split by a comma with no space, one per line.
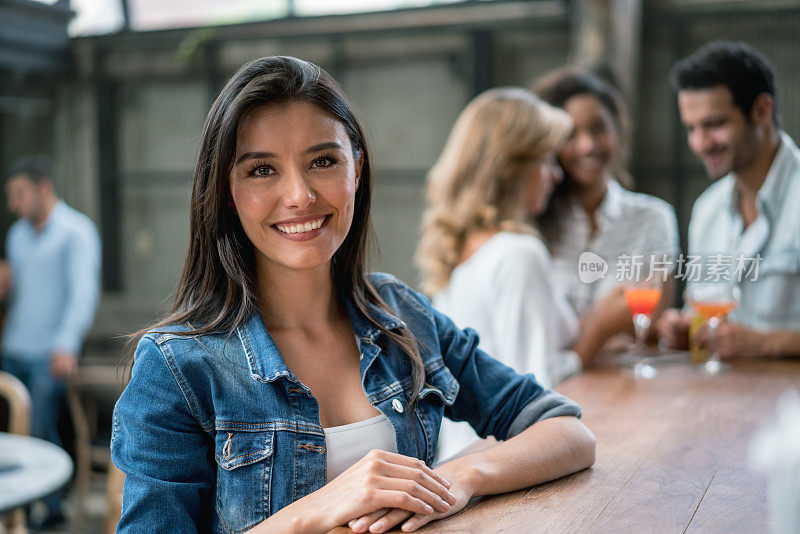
[737,66]
[37,167]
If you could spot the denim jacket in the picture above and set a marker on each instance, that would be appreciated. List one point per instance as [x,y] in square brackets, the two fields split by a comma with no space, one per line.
[215,433]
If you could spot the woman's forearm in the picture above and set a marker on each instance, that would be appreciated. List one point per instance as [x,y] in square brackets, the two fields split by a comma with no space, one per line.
[547,450]
[592,338]
[297,518]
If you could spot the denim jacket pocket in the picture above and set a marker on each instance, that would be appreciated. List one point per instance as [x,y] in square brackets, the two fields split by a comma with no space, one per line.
[244,477]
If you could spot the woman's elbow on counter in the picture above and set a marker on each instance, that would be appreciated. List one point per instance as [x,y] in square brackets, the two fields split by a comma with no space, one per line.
[586,448]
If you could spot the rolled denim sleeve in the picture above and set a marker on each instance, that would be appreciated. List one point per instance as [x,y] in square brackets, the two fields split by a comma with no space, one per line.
[492,397]
[161,447]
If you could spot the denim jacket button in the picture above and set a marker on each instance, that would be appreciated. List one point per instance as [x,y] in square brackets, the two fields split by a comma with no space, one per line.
[397,405]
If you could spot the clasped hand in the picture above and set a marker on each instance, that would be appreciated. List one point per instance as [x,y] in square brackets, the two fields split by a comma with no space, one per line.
[384,489]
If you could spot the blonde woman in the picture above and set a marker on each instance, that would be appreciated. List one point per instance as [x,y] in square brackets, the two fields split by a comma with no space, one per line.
[484,265]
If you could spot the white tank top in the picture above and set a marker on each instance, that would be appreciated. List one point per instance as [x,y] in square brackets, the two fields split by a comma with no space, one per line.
[347,444]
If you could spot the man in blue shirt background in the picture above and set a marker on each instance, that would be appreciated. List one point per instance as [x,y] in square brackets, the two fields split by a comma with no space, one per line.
[50,282]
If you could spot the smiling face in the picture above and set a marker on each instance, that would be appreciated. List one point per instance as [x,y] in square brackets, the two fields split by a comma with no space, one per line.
[588,154]
[717,130]
[293,185]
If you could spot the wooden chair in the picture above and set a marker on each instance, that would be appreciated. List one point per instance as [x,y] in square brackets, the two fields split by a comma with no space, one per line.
[19,422]
[89,390]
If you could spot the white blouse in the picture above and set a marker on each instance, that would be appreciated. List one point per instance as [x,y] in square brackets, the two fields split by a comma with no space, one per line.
[347,444]
[506,293]
[628,224]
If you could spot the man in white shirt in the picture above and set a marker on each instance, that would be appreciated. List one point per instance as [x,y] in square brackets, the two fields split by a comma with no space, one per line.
[727,103]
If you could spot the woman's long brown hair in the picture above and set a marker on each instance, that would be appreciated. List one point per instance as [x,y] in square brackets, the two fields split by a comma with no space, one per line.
[216,291]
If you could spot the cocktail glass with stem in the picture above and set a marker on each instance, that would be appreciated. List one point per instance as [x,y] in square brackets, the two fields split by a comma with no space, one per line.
[642,297]
[713,301]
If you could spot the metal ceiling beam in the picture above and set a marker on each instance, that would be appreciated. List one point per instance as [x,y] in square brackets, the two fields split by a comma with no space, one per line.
[468,15]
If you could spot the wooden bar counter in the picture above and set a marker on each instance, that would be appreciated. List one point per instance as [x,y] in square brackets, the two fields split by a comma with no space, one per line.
[671,456]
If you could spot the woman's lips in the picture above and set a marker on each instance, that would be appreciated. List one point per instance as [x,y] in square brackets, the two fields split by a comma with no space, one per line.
[302,230]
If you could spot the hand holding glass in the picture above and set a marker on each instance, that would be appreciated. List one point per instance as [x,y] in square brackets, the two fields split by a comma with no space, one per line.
[713,301]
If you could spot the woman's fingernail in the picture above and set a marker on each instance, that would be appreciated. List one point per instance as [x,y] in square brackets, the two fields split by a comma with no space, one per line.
[451,497]
[377,526]
[357,525]
[408,526]
[444,504]
[428,509]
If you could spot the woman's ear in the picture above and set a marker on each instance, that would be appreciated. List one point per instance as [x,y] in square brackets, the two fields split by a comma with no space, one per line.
[359,166]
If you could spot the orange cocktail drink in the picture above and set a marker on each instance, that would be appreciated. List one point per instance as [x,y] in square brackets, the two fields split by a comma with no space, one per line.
[711,303]
[703,312]
[642,300]
[713,309]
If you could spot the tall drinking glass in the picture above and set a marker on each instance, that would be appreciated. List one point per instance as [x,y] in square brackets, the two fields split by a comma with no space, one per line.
[713,301]
[642,297]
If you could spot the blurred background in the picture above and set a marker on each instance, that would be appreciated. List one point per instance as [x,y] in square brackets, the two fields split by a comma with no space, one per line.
[117,91]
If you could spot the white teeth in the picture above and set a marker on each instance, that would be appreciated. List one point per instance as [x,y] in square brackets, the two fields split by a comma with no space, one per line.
[302,227]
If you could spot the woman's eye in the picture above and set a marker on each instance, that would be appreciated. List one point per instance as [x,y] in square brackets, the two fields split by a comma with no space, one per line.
[262,170]
[599,128]
[323,162]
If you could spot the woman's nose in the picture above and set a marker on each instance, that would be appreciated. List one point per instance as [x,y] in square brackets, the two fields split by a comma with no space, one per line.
[298,194]
[586,142]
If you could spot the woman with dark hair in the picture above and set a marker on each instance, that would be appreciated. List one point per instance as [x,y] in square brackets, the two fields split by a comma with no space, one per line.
[591,211]
[290,391]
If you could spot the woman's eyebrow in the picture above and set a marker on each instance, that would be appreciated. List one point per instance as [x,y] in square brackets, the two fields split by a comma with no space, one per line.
[323,146]
[254,155]
[264,155]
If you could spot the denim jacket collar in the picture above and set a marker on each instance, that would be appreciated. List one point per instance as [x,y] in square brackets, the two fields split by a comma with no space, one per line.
[265,360]
[263,357]
[363,327]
